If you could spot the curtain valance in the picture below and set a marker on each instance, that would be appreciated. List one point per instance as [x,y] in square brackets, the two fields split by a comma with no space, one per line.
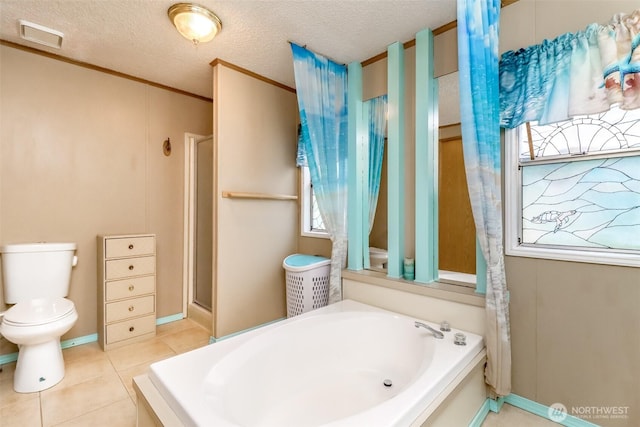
[576,73]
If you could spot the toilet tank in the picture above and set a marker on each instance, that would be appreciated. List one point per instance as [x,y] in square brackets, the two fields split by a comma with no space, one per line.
[36,270]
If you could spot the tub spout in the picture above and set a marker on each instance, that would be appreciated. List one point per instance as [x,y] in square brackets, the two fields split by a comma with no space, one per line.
[437,334]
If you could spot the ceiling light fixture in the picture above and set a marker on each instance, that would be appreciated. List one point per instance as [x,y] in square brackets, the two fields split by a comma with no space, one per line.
[194,22]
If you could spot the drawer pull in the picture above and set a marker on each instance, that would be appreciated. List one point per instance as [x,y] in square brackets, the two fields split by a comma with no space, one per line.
[131,308]
[131,288]
[130,246]
[131,267]
[131,329]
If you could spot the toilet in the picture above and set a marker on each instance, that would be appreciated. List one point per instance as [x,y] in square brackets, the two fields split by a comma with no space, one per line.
[378,257]
[36,278]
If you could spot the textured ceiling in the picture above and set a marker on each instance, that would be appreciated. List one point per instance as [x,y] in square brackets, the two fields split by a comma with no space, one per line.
[135,37]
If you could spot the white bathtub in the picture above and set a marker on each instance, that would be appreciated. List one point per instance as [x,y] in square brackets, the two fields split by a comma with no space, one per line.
[323,368]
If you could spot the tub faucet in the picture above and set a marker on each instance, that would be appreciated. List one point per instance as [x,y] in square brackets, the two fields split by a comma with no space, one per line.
[437,334]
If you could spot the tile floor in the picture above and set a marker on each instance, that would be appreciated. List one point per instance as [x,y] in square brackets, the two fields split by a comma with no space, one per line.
[97,390]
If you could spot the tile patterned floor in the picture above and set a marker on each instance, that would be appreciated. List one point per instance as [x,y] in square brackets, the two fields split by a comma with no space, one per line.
[97,390]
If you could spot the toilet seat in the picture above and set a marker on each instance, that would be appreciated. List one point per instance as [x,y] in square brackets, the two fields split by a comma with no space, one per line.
[38,311]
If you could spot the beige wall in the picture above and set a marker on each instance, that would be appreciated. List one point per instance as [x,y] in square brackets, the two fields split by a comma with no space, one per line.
[255,148]
[81,154]
[528,22]
[574,331]
[314,246]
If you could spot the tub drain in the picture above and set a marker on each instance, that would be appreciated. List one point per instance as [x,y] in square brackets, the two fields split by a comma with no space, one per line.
[387,383]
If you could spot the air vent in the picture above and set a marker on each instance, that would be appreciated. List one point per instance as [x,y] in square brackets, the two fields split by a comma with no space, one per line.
[40,34]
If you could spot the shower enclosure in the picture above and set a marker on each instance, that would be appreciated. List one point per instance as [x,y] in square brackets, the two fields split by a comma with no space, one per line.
[198,243]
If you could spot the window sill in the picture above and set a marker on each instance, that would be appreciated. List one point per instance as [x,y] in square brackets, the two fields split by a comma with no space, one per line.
[607,258]
[315,234]
[455,278]
[445,291]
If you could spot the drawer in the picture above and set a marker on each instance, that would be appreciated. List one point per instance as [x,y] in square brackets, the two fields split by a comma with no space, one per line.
[129,246]
[130,329]
[129,267]
[127,288]
[125,309]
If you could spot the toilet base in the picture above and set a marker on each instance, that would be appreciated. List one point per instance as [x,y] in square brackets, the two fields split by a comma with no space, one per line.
[39,367]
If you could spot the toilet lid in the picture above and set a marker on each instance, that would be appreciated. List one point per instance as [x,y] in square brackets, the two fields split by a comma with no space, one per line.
[38,311]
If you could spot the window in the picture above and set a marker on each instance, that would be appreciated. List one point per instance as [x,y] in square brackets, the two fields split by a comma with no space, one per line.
[311,221]
[573,191]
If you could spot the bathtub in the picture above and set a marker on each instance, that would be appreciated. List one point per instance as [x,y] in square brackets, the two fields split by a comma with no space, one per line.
[348,364]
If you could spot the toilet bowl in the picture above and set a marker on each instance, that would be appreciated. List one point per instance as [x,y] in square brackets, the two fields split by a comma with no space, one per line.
[378,257]
[36,327]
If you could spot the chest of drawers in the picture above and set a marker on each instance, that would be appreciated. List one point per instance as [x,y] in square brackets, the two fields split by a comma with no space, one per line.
[126,289]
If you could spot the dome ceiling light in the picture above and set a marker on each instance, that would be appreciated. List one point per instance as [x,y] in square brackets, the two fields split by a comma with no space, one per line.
[196,23]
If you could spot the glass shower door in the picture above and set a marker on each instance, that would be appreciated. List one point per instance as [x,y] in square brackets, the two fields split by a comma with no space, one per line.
[203,236]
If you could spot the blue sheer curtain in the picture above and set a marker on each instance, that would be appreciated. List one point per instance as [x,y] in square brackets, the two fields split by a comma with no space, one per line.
[377,130]
[576,73]
[478,22]
[321,87]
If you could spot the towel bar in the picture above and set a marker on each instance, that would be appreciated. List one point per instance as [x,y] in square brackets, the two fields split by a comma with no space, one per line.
[259,196]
